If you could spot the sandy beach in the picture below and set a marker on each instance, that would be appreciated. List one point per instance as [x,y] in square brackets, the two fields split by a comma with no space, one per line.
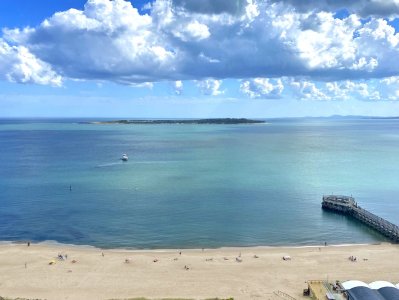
[90,273]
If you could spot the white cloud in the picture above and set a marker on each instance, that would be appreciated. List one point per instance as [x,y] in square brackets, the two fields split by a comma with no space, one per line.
[147,85]
[362,90]
[180,40]
[363,64]
[327,43]
[191,31]
[378,43]
[109,40]
[251,10]
[17,64]
[389,88]
[210,87]
[178,86]
[340,90]
[308,90]
[262,88]
[391,80]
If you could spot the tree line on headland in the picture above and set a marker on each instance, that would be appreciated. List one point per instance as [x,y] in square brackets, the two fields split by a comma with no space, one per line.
[187,121]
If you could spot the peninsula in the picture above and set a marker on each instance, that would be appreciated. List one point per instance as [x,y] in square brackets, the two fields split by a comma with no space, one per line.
[183,121]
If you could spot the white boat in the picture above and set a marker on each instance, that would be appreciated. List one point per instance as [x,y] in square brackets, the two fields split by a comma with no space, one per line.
[124,157]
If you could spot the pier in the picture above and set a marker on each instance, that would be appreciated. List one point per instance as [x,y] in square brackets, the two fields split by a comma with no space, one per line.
[348,206]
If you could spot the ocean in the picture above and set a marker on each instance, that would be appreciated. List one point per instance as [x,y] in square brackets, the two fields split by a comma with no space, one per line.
[195,186]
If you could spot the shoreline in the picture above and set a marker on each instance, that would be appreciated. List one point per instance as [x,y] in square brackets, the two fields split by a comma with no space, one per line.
[238,272]
[50,243]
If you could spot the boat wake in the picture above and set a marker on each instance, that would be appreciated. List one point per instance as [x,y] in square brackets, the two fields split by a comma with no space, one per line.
[109,164]
[157,162]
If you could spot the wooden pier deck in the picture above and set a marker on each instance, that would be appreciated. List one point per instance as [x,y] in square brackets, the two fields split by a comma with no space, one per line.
[348,206]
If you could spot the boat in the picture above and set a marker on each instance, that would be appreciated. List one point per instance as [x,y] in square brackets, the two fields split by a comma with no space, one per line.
[124,157]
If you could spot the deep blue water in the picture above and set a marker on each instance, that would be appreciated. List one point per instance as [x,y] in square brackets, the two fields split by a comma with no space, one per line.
[195,185]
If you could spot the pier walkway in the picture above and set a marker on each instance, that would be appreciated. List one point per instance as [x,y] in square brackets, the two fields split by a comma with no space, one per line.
[348,206]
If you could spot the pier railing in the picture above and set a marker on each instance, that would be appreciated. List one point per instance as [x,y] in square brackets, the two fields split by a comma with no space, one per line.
[349,207]
[385,227]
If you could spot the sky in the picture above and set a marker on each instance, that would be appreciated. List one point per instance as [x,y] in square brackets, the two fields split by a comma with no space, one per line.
[199,58]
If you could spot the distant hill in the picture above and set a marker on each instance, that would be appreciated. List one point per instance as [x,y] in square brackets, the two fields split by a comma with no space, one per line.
[358,117]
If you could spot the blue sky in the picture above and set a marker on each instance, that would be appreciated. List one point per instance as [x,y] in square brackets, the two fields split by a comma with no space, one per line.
[189,58]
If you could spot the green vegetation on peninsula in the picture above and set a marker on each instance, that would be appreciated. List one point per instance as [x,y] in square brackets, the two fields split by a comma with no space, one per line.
[184,121]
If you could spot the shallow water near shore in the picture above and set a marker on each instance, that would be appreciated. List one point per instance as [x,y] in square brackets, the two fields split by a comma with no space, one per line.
[195,186]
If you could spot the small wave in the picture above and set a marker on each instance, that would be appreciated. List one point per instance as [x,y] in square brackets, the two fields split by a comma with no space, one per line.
[60,244]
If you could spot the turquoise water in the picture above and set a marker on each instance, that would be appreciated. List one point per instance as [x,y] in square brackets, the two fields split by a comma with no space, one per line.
[195,185]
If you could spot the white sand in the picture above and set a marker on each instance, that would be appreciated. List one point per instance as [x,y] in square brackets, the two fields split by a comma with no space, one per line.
[210,275]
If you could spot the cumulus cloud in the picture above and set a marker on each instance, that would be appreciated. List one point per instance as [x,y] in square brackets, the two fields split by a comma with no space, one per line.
[389,88]
[210,87]
[109,40]
[308,90]
[17,64]
[262,88]
[364,8]
[369,90]
[348,89]
[327,43]
[191,31]
[379,44]
[182,40]
[178,86]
